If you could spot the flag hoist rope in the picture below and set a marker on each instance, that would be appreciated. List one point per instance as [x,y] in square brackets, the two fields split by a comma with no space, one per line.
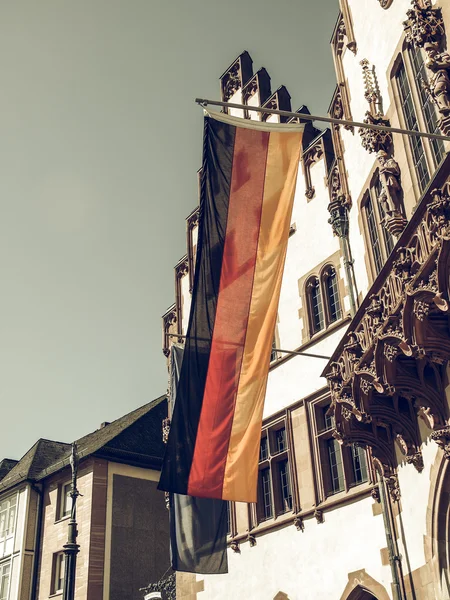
[285,113]
[293,352]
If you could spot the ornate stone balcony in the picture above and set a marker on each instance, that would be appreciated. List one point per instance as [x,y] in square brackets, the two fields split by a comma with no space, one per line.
[389,369]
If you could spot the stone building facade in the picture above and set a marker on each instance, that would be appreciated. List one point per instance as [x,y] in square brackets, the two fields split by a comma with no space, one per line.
[354,475]
[123,528]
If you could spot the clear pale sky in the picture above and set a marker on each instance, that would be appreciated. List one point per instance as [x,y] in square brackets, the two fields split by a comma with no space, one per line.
[100,141]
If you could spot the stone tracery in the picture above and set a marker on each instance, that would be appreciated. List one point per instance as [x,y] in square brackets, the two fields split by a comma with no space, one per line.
[389,369]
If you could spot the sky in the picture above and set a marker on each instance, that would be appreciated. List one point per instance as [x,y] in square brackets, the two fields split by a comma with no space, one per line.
[100,142]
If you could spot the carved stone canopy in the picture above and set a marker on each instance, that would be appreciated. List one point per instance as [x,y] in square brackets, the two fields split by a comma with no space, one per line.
[374,140]
[389,369]
[424,23]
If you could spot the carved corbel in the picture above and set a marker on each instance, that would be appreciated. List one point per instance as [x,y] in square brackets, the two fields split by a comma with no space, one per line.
[416,460]
[318,515]
[251,540]
[299,523]
[442,439]
[235,547]
[375,493]
[393,487]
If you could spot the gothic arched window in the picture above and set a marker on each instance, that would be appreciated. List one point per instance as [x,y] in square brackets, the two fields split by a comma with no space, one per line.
[331,293]
[316,317]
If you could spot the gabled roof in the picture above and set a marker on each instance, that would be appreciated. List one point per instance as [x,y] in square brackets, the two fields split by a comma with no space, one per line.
[46,456]
[6,465]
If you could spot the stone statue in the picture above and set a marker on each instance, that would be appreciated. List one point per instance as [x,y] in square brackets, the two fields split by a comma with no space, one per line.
[439,84]
[390,178]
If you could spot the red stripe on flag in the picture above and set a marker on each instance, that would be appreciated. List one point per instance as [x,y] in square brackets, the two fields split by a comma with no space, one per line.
[235,291]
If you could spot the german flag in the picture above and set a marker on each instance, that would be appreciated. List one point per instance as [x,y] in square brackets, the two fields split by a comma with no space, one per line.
[247,190]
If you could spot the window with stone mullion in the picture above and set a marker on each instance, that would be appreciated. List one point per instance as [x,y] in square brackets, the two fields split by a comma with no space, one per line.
[335,465]
[428,109]
[342,467]
[331,290]
[374,235]
[266,494]
[316,307]
[274,478]
[5,570]
[417,149]
[359,465]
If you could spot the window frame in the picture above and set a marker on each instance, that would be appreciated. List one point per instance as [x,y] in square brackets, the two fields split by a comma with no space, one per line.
[13,502]
[405,59]
[328,271]
[5,576]
[270,463]
[371,197]
[320,280]
[313,281]
[62,503]
[423,103]
[323,434]
[58,566]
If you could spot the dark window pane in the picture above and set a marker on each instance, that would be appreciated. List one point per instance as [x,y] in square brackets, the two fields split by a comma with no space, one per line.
[333,297]
[263,450]
[328,420]
[359,465]
[285,485]
[273,354]
[266,494]
[373,234]
[335,464]
[409,113]
[280,440]
[428,109]
[316,306]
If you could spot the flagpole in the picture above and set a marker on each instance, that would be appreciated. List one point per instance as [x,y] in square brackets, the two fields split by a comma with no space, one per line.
[306,117]
[293,352]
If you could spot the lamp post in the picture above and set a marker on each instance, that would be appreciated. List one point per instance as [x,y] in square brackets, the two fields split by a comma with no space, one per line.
[339,222]
[71,549]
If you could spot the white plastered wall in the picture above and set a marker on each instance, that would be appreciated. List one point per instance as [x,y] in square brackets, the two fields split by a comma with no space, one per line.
[312,565]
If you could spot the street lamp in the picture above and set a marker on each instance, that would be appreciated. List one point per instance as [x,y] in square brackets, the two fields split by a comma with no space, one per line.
[71,549]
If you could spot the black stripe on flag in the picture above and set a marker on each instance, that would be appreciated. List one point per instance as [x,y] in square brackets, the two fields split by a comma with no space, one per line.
[218,152]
